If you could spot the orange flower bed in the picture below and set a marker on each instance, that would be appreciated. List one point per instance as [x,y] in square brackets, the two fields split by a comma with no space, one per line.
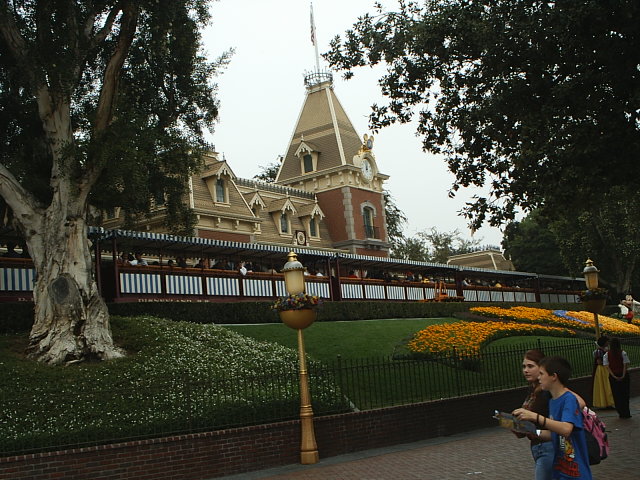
[471,336]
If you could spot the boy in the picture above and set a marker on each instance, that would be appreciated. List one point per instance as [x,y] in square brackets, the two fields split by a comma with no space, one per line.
[564,425]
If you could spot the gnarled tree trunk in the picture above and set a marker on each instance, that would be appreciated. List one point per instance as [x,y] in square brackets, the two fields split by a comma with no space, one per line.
[71,318]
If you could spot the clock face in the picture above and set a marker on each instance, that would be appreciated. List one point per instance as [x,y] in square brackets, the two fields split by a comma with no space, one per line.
[301,238]
[367,170]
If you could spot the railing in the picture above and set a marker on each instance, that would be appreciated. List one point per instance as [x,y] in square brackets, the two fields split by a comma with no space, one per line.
[155,283]
[139,409]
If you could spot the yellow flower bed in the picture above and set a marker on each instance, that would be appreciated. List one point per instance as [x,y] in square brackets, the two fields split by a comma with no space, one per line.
[579,320]
[471,336]
[608,325]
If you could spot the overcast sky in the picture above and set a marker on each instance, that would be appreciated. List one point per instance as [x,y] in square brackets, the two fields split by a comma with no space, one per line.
[262,92]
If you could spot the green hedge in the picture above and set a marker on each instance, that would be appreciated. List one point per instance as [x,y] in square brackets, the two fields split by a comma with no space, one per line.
[18,317]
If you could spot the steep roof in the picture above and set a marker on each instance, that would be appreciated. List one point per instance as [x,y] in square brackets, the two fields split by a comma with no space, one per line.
[324,126]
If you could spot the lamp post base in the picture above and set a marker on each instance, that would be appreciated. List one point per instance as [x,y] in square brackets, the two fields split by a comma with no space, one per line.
[309,458]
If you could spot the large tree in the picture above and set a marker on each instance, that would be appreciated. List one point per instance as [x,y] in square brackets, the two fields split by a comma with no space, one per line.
[109,94]
[532,246]
[538,101]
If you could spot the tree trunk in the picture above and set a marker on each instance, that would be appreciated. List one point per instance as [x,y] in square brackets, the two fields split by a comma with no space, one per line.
[71,318]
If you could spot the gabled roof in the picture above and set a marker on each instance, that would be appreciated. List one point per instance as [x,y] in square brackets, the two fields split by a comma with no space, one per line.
[218,169]
[306,147]
[282,204]
[310,211]
[254,198]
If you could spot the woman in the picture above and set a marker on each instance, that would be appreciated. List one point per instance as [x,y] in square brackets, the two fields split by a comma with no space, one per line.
[602,396]
[537,401]
[616,361]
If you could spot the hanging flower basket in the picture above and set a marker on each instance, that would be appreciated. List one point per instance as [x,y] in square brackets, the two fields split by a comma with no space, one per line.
[298,319]
[297,311]
[594,300]
[595,305]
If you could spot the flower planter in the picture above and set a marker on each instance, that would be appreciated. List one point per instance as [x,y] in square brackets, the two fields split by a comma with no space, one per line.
[298,319]
[595,305]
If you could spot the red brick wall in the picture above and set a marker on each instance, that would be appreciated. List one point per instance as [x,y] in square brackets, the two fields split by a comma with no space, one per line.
[233,451]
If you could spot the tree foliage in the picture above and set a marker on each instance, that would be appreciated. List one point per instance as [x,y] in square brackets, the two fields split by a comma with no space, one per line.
[268,173]
[103,104]
[395,221]
[532,247]
[434,246]
[536,100]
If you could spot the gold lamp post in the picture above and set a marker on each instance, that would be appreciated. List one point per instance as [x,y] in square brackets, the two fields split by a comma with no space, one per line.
[299,320]
[594,306]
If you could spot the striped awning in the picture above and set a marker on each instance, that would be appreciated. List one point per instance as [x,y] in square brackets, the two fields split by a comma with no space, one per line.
[195,247]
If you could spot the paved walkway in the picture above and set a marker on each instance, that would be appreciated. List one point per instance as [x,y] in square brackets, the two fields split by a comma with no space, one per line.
[491,453]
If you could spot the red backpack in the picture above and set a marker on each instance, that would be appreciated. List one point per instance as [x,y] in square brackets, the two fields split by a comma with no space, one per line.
[596,436]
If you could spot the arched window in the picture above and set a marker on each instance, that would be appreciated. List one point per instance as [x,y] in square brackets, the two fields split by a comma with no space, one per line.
[284,223]
[220,191]
[369,229]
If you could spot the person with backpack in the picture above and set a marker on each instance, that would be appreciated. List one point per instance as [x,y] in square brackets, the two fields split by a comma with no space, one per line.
[564,425]
[537,401]
[616,361]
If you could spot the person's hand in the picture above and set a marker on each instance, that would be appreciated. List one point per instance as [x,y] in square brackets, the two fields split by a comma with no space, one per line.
[524,414]
[519,434]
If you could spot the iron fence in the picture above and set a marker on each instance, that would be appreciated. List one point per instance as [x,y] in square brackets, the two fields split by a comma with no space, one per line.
[60,417]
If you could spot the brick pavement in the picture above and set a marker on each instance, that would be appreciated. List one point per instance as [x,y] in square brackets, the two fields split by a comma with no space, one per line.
[491,453]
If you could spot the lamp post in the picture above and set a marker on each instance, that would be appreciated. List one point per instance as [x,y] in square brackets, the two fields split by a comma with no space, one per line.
[299,320]
[590,273]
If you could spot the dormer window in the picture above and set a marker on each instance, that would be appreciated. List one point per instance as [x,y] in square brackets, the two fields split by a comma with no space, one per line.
[313,227]
[221,191]
[284,223]
[308,163]
[308,155]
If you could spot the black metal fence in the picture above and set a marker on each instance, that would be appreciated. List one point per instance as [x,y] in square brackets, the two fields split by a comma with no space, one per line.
[58,418]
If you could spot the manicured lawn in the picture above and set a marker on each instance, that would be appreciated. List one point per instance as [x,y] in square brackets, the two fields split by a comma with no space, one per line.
[326,340]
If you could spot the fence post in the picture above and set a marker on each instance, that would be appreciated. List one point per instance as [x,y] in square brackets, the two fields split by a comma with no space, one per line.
[456,365]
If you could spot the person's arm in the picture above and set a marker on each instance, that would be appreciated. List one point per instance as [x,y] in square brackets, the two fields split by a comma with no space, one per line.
[559,427]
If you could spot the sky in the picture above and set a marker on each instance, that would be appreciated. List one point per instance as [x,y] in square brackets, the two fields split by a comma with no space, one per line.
[261,93]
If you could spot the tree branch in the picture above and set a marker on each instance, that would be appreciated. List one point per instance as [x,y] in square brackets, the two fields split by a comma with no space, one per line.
[14,41]
[24,205]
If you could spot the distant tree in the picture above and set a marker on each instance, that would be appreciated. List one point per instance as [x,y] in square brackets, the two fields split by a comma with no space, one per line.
[536,100]
[442,245]
[531,245]
[434,246]
[411,248]
[268,173]
[395,219]
[103,104]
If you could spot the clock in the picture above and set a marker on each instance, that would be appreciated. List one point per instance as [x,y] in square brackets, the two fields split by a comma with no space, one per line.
[367,170]
[301,238]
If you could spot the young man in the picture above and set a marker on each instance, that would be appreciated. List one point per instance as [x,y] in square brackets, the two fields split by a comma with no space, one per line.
[564,425]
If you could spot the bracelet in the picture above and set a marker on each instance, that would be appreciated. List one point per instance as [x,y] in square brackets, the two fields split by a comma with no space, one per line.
[544,424]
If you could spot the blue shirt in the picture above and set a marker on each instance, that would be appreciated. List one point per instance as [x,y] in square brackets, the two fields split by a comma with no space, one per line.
[571,457]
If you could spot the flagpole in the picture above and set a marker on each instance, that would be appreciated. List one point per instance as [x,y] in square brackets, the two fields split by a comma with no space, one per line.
[313,39]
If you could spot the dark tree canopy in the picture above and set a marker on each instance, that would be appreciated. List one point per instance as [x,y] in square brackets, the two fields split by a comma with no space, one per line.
[539,101]
[145,140]
[532,247]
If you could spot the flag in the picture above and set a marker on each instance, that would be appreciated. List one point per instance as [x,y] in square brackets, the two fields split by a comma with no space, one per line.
[313,28]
